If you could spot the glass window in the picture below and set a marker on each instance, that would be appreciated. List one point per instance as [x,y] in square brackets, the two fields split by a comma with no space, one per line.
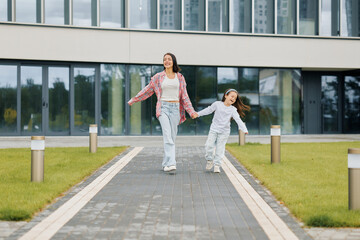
[170,14]
[58,87]
[4,10]
[240,16]
[143,14]
[206,94]
[112,99]
[31,99]
[279,100]
[350,18]
[84,12]
[264,16]
[329,104]
[8,99]
[249,92]
[141,113]
[352,105]
[155,124]
[84,91]
[189,126]
[308,18]
[26,11]
[55,12]
[194,15]
[112,13]
[286,16]
[330,10]
[218,14]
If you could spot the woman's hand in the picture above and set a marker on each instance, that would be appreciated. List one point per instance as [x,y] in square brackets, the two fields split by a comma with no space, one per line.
[246,133]
[194,115]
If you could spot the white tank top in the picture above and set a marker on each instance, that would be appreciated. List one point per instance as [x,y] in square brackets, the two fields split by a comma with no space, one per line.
[170,89]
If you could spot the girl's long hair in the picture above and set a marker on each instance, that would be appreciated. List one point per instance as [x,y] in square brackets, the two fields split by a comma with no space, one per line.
[240,106]
[176,67]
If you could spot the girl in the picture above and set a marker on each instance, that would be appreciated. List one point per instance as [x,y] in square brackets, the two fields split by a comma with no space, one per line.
[229,107]
[172,101]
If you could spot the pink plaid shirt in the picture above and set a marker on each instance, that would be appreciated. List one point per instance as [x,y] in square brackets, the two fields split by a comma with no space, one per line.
[155,86]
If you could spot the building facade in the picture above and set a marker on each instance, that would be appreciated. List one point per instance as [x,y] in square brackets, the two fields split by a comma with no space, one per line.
[65,64]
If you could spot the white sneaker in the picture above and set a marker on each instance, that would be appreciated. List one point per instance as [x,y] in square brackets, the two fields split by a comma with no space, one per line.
[216,169]
[209,165]
[169,168]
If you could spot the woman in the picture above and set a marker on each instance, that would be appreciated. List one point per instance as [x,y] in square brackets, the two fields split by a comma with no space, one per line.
[172,101]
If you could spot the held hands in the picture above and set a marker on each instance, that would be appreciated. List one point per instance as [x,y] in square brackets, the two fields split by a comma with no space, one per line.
[194,115]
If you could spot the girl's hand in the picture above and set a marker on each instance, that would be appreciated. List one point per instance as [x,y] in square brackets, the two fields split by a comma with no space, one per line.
[246,133]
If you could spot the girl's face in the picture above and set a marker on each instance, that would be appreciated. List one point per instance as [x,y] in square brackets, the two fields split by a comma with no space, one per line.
[168,62]
[230,99]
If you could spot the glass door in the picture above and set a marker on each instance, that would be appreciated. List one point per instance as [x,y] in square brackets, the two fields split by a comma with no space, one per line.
[33,103]
[57,100]
[330,104]
[84,98]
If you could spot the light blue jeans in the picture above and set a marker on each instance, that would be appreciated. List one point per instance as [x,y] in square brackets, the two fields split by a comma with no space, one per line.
[218,141]
[169,121]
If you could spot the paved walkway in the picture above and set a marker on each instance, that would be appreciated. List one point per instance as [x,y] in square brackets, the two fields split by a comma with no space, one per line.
[131,198]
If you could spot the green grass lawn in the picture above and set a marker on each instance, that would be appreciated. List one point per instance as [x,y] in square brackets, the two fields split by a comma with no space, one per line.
[311,180]
[20,198]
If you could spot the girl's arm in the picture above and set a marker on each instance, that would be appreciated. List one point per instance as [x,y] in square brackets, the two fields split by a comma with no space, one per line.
[145,93]
[210,109]
[239,122]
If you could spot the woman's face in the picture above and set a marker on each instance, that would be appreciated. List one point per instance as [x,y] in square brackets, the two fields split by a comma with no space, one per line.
[168,62]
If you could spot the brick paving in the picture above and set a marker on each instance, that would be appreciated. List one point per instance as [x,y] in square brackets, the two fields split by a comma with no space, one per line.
[143,202]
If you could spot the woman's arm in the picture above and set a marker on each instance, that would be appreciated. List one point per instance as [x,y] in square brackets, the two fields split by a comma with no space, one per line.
[145,93]
[239,122]
[186,100]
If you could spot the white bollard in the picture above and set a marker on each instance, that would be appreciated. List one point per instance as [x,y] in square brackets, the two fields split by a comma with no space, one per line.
[354,178]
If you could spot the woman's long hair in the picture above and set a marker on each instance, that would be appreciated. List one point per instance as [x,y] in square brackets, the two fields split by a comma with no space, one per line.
[176,67]
[240,106]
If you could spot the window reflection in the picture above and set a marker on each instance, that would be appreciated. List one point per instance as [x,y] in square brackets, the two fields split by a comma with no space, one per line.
[279,100]
[350,18]
[206,94]
[264,16]
[194,15]
[8,99]
[4,10]
[112,13]
[241,16]
[54,12]
[26,11]
[84,91]
[249,92]
[31,99]
[170,14]
[218,14]
[308,18]
[143,14]
[330,17]
[286,16]
[141,113]
[84,12]
[352,105]
[329,104]
[58,85]
[112,99]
